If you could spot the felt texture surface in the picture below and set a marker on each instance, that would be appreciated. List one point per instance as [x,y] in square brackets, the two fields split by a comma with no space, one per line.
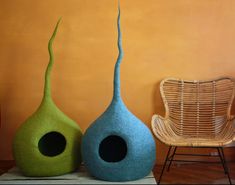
[48,142]
[139,158]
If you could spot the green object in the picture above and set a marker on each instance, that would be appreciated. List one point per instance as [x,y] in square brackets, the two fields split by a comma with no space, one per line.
[48,142]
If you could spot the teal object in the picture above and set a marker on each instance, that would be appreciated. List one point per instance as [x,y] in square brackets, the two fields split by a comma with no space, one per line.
[48,142]
[118,146]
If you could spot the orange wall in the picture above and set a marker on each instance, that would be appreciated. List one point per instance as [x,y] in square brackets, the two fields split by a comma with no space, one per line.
[180,38]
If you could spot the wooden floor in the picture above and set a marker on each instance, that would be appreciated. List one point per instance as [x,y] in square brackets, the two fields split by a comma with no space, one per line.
[195,173]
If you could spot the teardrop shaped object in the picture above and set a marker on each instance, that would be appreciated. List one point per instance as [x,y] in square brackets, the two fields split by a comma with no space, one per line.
[118,146]
[48,142]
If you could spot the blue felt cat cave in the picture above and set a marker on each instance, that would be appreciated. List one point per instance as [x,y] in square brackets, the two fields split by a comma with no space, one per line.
[118,146]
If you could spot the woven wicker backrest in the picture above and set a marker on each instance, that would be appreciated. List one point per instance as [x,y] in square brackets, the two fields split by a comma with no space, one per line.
[197,108]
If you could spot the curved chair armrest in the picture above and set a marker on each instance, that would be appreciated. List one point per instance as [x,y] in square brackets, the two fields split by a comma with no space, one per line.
[156,116]
[160,128]
[163,129]
[157,121]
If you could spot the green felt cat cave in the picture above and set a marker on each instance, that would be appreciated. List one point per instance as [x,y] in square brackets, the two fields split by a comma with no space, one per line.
[48,142]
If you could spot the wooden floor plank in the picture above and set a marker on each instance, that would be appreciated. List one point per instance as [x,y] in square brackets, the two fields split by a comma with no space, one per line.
[195,173]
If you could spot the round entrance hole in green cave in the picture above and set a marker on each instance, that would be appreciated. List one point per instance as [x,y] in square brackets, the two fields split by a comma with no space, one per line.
[52,144]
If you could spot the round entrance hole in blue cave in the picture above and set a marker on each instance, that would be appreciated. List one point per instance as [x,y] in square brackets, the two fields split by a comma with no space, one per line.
[113,149]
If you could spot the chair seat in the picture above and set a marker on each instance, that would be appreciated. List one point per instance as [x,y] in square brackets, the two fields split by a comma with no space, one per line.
[163,130]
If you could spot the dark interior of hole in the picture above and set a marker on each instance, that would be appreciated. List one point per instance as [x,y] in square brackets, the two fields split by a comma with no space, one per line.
[113,149]
[52,144]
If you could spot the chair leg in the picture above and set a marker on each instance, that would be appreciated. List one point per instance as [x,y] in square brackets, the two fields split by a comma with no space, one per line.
[225,164]
[222,160]
[172,157]
[163,168]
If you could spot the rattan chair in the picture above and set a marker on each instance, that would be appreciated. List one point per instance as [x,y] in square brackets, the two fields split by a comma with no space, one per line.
[197,115]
